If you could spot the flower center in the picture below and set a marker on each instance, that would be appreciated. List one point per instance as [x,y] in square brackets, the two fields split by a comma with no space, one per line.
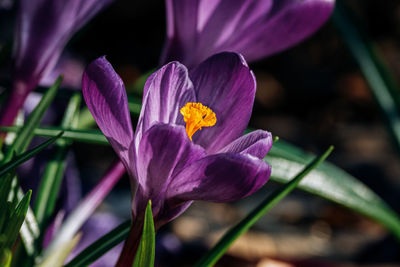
[196,115]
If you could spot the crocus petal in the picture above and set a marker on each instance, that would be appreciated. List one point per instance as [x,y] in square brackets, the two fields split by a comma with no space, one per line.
[256,143]
[197,29]
[43,28]
[219,178]
[164,150]
[105,96]
[225,84]
[165,92]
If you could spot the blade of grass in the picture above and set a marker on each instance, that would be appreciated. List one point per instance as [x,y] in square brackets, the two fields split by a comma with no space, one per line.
[101,246]
[85,119]
[5,258]
[77,135]
[223,244]
[18,160]
[16,219]
[50,183]
[332,183]
[146,250]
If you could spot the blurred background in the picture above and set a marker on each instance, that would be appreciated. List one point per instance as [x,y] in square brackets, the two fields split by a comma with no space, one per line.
[312,95]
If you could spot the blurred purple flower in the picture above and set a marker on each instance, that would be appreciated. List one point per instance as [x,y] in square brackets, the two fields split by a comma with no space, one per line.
[98,224]
[166,167]
[43,29]
[70,68]
[197,29]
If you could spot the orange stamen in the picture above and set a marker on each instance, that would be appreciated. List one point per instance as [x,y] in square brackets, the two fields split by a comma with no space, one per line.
[196,115]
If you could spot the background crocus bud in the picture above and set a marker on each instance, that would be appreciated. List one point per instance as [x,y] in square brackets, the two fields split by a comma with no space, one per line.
[43,28]
[197,29]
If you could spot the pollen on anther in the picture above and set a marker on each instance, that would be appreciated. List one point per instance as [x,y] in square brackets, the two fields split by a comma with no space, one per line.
[196,116]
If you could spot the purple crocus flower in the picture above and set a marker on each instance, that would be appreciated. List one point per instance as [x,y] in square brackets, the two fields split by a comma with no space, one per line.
[197,29]
[171,162]
[43,29]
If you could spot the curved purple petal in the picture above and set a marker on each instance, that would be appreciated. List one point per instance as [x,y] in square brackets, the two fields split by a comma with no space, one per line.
[219,178]
[225,84]
[166,91]
[43,28]
[256,143]
[197,29]
[105,96]
[164,150]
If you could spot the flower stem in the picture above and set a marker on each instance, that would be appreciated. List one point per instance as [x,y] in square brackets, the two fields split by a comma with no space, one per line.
[13,104]
[131,243]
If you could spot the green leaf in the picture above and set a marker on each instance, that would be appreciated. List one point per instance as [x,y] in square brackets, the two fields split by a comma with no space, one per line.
[6,206]
[223,244]
[51,180]
[5,187]
[101,246]
[18,160]
[86,136]
[26,133]
[5,258]
[85,119]
[382,85]
[16,219]
[146,250]
[332,183]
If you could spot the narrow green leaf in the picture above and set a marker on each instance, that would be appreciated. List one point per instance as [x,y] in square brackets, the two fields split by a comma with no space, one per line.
[18,160]
[5,187]
[6,209]
[7,205]
[16,219]
[385,91]
[86,136]
[26,133]
[85,119]
[332,183]
[146,250]
[29,231]
[51,180]
[101,246]
[223,244]
[5,258]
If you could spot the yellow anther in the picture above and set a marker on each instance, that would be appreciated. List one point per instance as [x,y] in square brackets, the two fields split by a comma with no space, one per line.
[196,115]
